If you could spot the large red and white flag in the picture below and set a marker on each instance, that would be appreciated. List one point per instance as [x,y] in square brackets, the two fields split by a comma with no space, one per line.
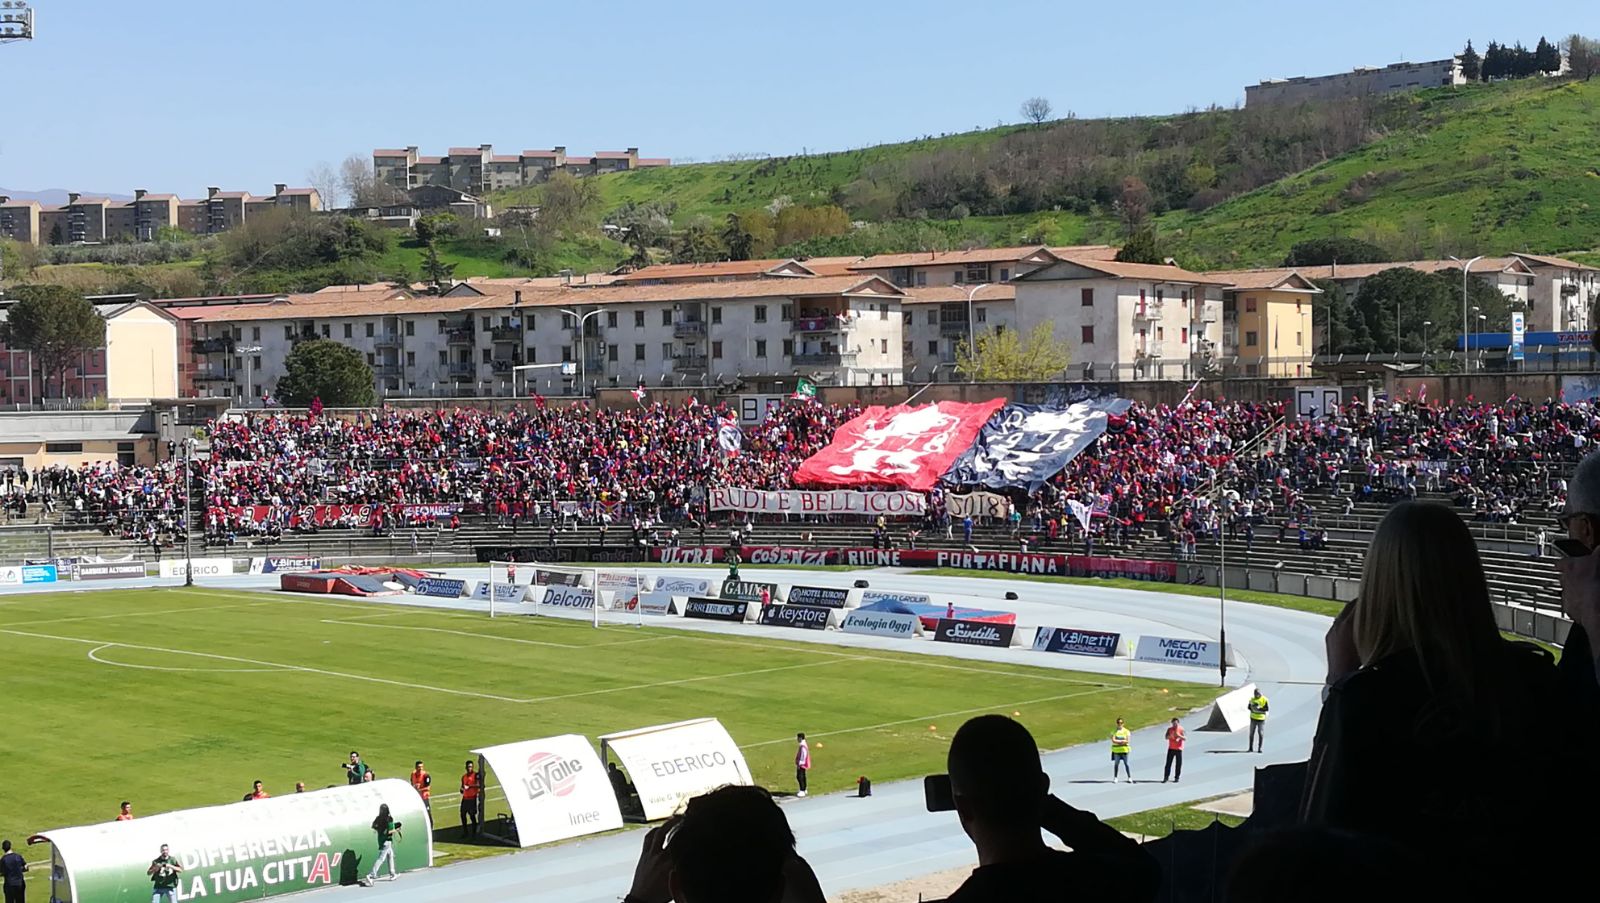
[899,446]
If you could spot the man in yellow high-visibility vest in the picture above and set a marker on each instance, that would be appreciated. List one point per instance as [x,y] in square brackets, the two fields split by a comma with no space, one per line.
[1258,721]
[1121,743]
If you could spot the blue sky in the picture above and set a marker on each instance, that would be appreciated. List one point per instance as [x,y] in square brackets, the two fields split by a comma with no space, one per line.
[175,95]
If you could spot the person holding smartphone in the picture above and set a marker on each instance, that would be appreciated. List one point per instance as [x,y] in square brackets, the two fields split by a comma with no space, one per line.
[998,789]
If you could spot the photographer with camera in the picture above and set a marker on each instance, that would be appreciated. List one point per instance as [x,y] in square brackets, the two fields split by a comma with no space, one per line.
[355,770]
[999,790]
[388,829]
[164,871]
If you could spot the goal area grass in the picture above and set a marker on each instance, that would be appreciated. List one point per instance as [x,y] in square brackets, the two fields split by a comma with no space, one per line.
[177,698]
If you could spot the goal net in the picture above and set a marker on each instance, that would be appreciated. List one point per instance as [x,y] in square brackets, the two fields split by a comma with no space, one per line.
[600,595]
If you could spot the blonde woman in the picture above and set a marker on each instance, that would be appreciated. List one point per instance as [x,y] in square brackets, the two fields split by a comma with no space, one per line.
[1433,723]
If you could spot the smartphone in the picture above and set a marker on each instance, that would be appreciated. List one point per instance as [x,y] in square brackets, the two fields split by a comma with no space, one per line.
[937,794]
[1571,548]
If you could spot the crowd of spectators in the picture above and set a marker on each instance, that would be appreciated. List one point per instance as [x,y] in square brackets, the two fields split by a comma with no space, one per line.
[1175,469]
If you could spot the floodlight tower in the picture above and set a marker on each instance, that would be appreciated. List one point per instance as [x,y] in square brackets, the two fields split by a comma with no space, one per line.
[16,21]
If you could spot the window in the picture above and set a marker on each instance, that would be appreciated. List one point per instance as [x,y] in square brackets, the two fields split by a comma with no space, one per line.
[716,315]
[349,330]
[1005,275]
[761,348]
[369,330]
[883,311]
[566,354]
[411,327]
[1141,297]
[1161,295]
[761,313]
[373,359]
[567,322]
[1299,338]
[611,319]
[883,346]
[666,318]
[922,278]
[638,352]
[1185,297]
[611,353]
[255,334]
[1183,335]
[444,358]
[638,319]
[63,448]
[933,346]
[1088,335]
[716,347]
[933,318]
[1161,333]
[487,355]
[486,322]
[976,272]
[1250,339]
[983,314]
[411,358]
[444,326]
[788,347]
[1088,297]
[327,330]
[786,313]
[1249,304]
[288,333]
[533,355]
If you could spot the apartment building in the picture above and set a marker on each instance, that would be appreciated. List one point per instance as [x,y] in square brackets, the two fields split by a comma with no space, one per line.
[479,169]
[938,320]
[836,330]
[1126,320]
[1357,82]
[1267,323]
[1563,294]
[137,362]
[87,220]
[977,266]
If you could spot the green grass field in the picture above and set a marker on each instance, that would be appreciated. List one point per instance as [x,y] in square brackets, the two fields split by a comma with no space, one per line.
[177,698]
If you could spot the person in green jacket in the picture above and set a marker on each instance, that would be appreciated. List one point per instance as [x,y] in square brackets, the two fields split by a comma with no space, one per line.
[164,871]
[355,771]
[387,829]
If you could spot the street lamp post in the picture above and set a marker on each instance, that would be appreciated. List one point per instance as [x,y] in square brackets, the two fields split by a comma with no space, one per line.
[1425,325]
[1466,268]
[583,351]
[248,351]
[972,332]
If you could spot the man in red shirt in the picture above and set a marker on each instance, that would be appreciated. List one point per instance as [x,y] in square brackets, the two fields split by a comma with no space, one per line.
[258,792]
[471,784]
[126,813]
[1175,738]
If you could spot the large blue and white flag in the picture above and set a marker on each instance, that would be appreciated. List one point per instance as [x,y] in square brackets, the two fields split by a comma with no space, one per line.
[1024,445]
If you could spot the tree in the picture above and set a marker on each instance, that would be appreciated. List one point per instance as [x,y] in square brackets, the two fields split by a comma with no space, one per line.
[1321,252]
[1343,331]
[1471,64]
[1583,55]
[56,237]
[57,325]
[436,272]
[1546,58]
[19,259]
[325,180]
[361,187]
[1004,355]
[1393,304]
[741,244]
[698,243]
[1036,110]
[569,204]
[1133,205]
[1494,62]
[1141,247]
[325,369]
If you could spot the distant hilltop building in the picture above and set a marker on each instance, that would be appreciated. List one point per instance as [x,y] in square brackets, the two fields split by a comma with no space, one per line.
[1357,83]
[88,220]
[477,170]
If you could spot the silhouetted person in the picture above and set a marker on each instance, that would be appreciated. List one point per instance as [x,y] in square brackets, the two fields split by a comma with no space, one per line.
[1002,796]
[1322,865]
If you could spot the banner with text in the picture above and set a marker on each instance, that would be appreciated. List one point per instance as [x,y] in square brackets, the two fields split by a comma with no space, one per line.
[671,763]
[202,567]
[1027,444]
[556,788]
[246,850]
[910,447]
[837,501]
[336,515]
[1076,642]
[1016,562]
[976,504]
[1179,651]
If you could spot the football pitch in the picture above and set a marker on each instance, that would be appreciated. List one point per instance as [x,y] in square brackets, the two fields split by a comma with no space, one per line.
[176,698]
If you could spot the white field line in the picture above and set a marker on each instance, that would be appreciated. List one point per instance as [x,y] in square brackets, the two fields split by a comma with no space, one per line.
[356,622]
[94,657]
[133,614]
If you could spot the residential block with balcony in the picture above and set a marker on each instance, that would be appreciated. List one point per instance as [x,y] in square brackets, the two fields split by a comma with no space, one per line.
[478,170]
[86,220]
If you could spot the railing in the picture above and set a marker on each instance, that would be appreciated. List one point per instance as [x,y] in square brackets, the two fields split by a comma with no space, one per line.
[459,335]
[221,345]
[825,323]
[389,369]
[954,327]
[826,358]
[506,334]
[463,369]
[386,338]
[1147,310]
[208,375]
[688,328]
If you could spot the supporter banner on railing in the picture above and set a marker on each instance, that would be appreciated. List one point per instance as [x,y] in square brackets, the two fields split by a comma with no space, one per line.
[836,501]
[1015,562]
[333,515]
[1027,444]
[976,504]
[902,446]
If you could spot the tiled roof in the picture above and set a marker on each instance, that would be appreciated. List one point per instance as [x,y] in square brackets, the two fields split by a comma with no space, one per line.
[831,266]
[948,258]
[1555,261]
[581,161]
[1368,270]
[505,158]
[388,152]
[749,268]
[1266,280]
[155,197]
[299,191]
[945,294]
[466,151]
[1087,252]
[1154,272]
[430,160]
[538,153]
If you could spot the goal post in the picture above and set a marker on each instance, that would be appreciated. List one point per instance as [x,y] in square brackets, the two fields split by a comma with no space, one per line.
[603,595]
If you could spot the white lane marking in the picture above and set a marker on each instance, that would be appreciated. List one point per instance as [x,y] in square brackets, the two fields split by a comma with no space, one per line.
[95,657]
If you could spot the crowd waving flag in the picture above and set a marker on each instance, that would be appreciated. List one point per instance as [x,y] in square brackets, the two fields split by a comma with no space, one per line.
[904,446]
[1027,444]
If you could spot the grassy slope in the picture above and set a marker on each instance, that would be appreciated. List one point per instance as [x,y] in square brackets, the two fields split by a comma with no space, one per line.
[175,739]
[1161,822]
[1512,166]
